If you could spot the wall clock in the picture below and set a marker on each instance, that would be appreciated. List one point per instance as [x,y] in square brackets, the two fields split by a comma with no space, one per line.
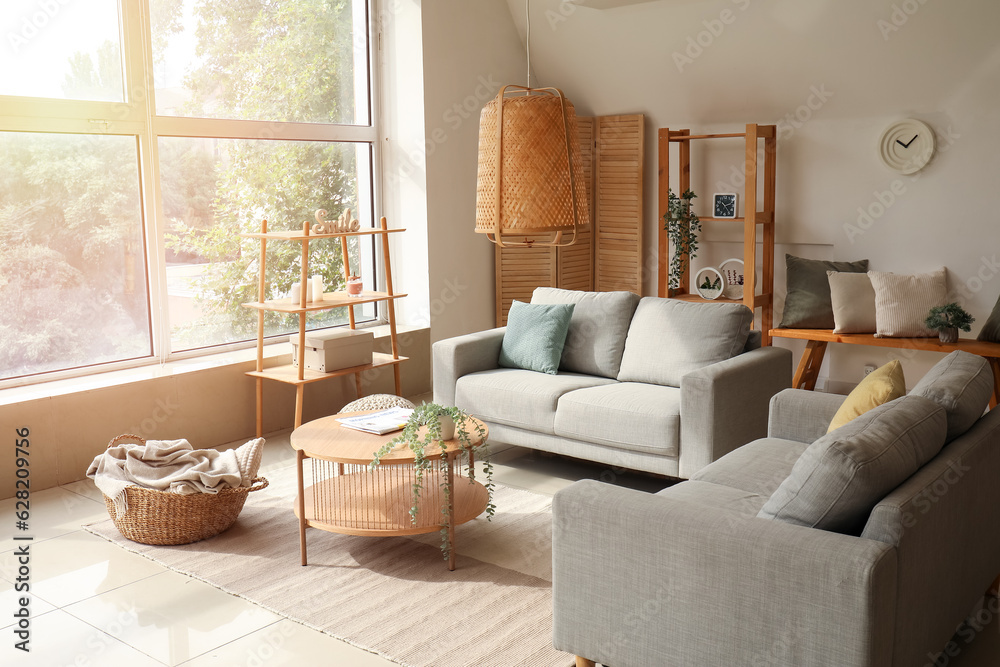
[906,146]
[724,205]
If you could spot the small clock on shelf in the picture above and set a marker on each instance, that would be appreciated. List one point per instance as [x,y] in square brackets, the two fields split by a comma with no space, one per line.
[724,205]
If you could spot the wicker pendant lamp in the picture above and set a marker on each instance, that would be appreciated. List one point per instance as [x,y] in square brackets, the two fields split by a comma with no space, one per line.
[530,187]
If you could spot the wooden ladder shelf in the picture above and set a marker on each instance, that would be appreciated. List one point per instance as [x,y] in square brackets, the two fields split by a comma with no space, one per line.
[753,218]
[297,374]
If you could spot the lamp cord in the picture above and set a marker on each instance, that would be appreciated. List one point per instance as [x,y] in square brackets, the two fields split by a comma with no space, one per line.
[527,37]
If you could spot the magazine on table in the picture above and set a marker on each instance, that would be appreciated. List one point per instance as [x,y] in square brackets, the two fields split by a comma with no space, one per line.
[379,423]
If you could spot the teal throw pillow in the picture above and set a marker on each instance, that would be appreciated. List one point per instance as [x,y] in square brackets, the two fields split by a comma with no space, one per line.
[535,336]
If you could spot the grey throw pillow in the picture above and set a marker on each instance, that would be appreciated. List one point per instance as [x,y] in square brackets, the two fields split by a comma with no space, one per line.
[807,302]
[668,338]
[535,336]
[991,330]
[596,338]
[840,477]
[962,384]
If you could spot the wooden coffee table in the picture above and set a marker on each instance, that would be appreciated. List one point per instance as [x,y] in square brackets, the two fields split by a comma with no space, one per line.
[344,496]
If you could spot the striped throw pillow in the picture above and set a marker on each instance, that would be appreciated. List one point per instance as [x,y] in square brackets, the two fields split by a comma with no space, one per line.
[902,302]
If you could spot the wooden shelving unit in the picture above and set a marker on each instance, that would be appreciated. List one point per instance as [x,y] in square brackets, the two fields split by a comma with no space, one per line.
[298,375]
[753,218]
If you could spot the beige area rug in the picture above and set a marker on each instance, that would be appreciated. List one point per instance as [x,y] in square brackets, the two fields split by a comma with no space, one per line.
[392,596]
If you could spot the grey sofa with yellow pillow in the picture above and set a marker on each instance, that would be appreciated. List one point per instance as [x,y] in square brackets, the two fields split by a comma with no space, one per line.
[649,384]
[865,546]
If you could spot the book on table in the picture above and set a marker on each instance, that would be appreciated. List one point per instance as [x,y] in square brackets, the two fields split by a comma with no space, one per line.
[379,423]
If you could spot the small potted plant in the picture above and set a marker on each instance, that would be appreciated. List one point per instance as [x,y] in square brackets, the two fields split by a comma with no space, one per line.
[682,227]
[432,425]
[947,320]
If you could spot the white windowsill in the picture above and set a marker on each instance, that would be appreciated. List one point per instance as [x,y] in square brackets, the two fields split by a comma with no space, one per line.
[103,380]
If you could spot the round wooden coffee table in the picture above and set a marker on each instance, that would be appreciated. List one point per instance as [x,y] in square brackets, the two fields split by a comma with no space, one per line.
[344,496]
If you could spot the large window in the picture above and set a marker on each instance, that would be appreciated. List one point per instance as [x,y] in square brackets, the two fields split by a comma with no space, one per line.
[135,150]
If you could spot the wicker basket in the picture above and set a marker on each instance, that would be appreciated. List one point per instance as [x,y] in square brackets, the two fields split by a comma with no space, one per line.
[161,517]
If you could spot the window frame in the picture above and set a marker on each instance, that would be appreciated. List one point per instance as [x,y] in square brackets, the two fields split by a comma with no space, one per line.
[136,117]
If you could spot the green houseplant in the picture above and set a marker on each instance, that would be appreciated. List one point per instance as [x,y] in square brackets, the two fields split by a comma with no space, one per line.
[682,227]
[947,320]
[426,429]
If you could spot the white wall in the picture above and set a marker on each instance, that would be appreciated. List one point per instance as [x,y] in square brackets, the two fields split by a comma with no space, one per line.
[833,74]
[403,190]
[470,49]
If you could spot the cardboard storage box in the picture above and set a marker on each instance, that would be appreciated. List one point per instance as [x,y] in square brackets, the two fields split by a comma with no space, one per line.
[328,351]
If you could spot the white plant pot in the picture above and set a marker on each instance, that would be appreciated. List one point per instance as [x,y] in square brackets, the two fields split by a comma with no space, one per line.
[447,427]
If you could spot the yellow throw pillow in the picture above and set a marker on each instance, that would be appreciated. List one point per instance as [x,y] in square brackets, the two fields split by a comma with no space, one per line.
[881,386]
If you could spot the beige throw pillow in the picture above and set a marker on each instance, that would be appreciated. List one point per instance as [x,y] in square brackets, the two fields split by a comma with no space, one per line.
[853,299]
[902,302]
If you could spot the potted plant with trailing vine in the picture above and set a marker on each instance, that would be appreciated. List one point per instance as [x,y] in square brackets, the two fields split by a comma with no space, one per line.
[433,426]
[947,320]
[682,226]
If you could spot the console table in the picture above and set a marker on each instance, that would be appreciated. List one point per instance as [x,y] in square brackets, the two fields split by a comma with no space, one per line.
[818,339]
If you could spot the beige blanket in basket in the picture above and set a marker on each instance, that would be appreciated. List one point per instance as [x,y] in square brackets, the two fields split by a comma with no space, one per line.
[174,466]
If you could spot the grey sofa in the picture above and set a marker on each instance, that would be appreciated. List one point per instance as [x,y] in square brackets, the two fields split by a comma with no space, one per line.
[648,384]
[725,569]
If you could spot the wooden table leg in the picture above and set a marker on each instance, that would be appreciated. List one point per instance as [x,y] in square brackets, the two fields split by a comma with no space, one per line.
[301,501]
[260,406]
[995,366]
[808,370]
[298,404]
[451,512]
[583,662]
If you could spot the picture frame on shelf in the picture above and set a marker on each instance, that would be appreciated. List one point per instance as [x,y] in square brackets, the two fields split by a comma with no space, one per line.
[732,271]
[709,283]
[724,205]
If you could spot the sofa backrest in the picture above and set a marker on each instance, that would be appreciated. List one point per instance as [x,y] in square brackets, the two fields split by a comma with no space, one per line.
[596,337]
[668,339]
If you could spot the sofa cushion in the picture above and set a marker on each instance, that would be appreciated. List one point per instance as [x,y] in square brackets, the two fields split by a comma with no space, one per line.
[597,329]
[517,397]
[839,478]
[706,494]
[535,336]
[668,339]
[627,415]
[758,467]
[882,385]
[962,384]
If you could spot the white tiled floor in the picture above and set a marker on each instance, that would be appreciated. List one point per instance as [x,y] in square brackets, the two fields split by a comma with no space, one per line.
[96,604]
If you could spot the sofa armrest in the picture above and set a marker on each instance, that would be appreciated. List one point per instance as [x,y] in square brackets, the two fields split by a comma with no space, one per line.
[461,355]
[724,406]
[801,415]
[644,579]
